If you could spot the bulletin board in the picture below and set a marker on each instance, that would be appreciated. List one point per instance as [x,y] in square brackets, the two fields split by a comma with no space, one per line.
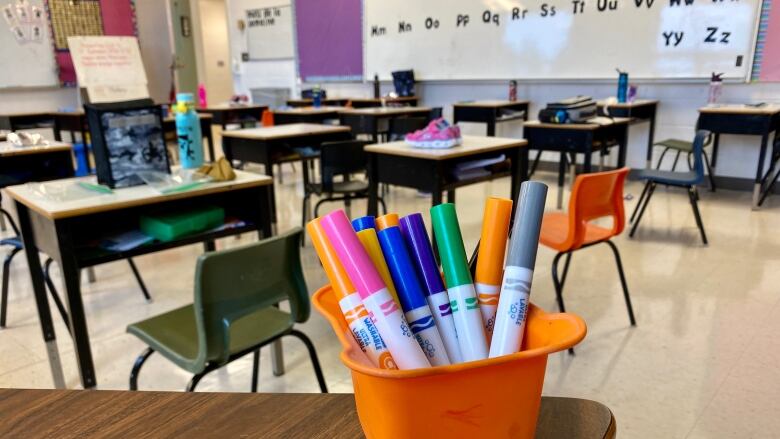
[766,63]
[25,35]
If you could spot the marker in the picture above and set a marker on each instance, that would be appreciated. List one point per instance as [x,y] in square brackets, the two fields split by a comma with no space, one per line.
[373,292]
[385,221]
[490,259]
[363,223]
[363,329]
[412,297]
[416,236]
[519,271]
[370,242]
[460,289]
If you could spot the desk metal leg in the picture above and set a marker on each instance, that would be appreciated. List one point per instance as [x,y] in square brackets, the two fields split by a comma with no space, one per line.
[491,128]
[715,145]
[650,142]
[373,185]
[277,358]
[41,300]
[561,178]
[757,186]
[3,226]
[91,275]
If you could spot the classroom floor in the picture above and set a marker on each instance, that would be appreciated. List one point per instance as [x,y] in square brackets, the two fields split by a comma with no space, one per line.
[701,363]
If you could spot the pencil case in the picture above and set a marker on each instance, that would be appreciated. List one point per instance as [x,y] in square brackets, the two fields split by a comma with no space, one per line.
[496,397]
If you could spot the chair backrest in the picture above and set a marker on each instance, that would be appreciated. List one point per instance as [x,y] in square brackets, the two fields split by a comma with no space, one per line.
[596,195]
[401,126]
[701,139]
[358,123]
[436,113]
[341,158]
[237,282]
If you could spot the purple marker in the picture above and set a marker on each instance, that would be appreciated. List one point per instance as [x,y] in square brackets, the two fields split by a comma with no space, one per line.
[416,237]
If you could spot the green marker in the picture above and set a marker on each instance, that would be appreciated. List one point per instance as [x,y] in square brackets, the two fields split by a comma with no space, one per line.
[460,286]
[95,187]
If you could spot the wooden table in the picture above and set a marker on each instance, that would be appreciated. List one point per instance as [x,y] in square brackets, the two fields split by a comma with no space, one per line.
[430,170]
[639,111]
[306,114]
[376,120]
[78,413]
[225,114]
[751,121]
[577,138]
[308,102]
[400,101]
[25,120]
[67,230]
[271,145]
[490,112]
[34,163]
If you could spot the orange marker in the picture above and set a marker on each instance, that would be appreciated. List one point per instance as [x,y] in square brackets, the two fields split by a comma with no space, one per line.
[385,221]
[363,329]
[371,243]
[490,259]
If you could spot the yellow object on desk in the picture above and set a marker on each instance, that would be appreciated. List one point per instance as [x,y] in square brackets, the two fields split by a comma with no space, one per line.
[218,171]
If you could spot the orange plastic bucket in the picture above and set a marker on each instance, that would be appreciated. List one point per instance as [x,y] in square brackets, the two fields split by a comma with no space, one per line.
[496,398]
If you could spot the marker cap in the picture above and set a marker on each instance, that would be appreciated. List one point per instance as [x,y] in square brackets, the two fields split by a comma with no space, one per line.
[385,221]
[407,284]
[353,256]
[416,236]
[363,223]
[492,242]
[528,223]
[450,243]
[337,276]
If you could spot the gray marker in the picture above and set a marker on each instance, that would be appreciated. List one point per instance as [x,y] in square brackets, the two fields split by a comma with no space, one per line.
[519,270]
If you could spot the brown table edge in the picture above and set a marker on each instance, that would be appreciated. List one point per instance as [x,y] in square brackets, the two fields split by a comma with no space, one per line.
[519,143]
[331,129]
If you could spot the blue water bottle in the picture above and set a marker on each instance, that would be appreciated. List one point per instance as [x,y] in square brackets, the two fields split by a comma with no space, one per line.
[188,132]
[622,91]
[316,95]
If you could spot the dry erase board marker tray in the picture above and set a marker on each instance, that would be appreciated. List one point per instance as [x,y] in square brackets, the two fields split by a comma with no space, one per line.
[496,397]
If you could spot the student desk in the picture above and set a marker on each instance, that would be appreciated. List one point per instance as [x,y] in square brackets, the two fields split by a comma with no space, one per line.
[271,145]
[640,111]
[401,101]
[308,102]
[306,115]
[34,163]
[67,230]
[224,114]
[76,122]
[376,120]
[62,413]
[430,170]
[25,120]
[577,138]
[490,112]
[746,120]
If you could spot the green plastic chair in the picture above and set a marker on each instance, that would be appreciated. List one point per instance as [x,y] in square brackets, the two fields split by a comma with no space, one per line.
[235,312]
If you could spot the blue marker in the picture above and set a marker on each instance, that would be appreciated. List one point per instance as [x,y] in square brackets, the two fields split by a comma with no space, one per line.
[412,296]
[363,223]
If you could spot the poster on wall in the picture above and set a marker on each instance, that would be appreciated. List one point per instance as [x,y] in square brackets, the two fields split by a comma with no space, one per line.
[269,32]
[110,68]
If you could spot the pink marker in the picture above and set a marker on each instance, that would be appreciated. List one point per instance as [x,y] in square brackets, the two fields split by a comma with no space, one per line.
[376,298]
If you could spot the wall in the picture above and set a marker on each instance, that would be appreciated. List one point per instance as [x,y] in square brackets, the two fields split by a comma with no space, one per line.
[155,50]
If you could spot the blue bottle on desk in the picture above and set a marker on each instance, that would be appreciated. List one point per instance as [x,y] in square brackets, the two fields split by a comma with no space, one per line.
[316,95]
[622,91]
[188,132]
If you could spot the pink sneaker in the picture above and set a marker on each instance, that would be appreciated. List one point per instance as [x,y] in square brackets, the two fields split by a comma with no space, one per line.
[438,134]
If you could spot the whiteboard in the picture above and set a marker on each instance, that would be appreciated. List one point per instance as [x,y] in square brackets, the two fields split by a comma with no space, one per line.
[559,39]
[269,32]
[29,63]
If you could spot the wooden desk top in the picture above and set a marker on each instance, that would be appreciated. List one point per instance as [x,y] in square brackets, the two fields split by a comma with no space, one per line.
[90,413]
[285,131]
[8,150]
[201,116]
[300,111]
[121,198]
[399,99]
[26,114]
[229,107]
[636,103]
[386,111]
[490,103]
[579,126]
[471,145]
[769,109]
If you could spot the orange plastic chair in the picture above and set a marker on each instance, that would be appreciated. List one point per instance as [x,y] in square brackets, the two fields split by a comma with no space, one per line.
[596,195]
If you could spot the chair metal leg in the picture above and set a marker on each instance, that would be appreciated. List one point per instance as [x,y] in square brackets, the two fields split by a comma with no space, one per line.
[661,158]
[140,280]
[642,210]
[348,207]
[382,202]
[54,294]
[696,214]
[535,164]
[676,159]
[639,203]
[565,269]
[255,370]
[6,280]
[557,283]
[3,225]
[195,380]
[139,362]
[623,282]
[313,355]
[305,215]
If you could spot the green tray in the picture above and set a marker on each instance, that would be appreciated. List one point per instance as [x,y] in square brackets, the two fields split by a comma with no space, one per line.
[169,226]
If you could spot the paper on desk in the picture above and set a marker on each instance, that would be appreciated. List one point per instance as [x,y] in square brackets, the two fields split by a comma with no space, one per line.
[126,241]
[63,191]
